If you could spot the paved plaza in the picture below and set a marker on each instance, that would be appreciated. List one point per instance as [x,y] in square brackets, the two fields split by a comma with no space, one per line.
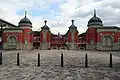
[50,67]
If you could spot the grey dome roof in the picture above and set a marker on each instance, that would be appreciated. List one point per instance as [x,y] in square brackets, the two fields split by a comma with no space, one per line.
[25,20]
[95,20]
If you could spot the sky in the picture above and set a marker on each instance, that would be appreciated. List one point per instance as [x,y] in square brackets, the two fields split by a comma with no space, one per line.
[59,13]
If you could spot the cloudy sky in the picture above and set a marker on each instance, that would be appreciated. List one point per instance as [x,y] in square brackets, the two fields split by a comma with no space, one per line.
[59,13]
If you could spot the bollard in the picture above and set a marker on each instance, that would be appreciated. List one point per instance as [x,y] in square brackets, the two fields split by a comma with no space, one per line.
[1,58]
[38,60]
[110,61]
[86,61]
[61,59]
[18,61]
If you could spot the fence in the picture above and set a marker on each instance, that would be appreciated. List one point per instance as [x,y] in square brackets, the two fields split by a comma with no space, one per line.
[62,60]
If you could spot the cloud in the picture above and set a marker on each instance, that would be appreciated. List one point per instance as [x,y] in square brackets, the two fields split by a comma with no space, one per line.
[59,13]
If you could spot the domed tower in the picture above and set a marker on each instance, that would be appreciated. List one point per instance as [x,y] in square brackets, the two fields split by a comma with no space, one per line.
[72,36]
[26,25]
[45,37]
[91,35]
[95,21]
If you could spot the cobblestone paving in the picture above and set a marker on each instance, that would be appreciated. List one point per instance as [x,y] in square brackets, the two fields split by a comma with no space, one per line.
[98,67]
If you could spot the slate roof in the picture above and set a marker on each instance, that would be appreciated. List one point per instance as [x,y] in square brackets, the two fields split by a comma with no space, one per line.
[7,22]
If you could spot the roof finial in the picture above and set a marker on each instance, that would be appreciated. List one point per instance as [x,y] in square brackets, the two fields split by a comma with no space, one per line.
[72,22]
[25,13]
[58,33]
[45,22]
[94,12]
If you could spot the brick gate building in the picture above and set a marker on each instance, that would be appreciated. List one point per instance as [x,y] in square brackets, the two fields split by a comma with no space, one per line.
[19,37]
[97,37]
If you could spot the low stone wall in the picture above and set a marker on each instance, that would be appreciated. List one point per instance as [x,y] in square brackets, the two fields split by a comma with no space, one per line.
[45,46]
[17,46]
[114,47]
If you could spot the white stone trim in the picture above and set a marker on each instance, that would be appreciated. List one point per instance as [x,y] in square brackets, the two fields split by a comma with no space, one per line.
[105,30]
[12,31]
[95,26]
[25,27]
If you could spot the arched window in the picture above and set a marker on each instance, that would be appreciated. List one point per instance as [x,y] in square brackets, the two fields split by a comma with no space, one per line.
[107,40]
[12,42]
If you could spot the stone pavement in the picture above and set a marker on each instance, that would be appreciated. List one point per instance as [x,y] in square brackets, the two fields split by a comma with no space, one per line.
[98,67]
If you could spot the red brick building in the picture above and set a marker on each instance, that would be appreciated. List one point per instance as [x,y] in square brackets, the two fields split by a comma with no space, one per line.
[101,37]
[97,37]
[19,37]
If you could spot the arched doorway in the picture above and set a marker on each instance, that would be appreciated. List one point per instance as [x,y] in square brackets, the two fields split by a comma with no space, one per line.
[12,42]
[107,41]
